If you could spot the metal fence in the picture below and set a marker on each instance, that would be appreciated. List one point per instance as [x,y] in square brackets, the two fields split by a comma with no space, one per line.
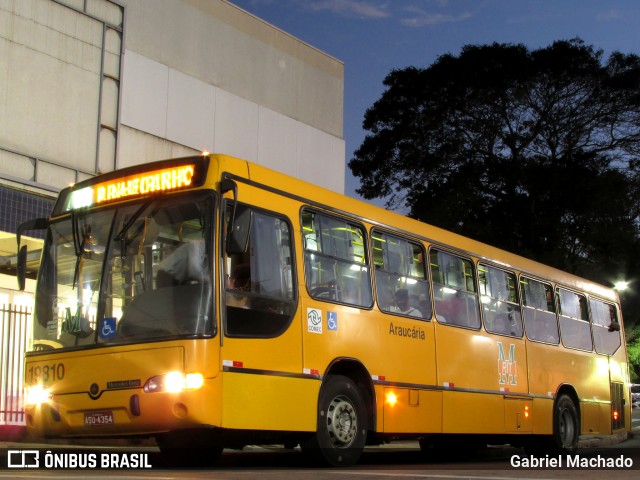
[14,322]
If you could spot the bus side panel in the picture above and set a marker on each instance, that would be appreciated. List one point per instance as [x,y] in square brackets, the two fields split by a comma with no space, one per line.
[414,411]
[591,421]
[472,413]
[269,402]
[585,372]
[477,369]
[542,416]
[408,360]
[392,349]
[517,415]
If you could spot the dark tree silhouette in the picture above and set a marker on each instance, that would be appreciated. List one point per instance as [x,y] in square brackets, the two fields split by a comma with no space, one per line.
[534,151]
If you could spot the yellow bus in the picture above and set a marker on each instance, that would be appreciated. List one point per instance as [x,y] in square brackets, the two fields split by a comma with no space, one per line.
[212,303]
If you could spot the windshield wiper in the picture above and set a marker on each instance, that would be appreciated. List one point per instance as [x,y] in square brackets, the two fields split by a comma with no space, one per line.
[75,234]
[78,244]
[121,236]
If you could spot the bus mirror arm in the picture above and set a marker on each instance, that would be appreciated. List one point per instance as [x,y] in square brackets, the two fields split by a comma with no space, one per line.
[21,267]
[239,223]
[228,185]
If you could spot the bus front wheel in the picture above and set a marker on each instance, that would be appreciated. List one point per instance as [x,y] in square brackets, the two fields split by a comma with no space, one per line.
[342,425]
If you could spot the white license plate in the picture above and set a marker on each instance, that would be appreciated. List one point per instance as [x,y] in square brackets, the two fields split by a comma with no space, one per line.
[98,418]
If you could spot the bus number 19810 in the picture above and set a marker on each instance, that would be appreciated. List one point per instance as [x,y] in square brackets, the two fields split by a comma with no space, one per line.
[45,373]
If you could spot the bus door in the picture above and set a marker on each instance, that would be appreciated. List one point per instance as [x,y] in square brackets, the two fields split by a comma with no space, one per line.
[261,352]
[406,353]
[482,371]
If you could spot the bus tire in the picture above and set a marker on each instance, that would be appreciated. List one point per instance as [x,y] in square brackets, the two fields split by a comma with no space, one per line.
[566,426]
[342,424]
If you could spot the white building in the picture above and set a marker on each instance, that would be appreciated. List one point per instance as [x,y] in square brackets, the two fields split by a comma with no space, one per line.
[88,86]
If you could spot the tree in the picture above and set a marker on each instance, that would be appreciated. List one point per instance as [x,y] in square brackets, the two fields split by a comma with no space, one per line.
[534,151]
[633,351]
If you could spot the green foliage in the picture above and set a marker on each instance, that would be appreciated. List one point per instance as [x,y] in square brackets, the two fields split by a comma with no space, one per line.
[633,351]
[534,151]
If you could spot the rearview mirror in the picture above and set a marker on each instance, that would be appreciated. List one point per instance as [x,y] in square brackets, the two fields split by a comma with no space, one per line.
[21,267]
[239,228]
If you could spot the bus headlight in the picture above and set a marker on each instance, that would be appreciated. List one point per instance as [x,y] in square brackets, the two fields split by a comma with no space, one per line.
[174,382]
[36,395]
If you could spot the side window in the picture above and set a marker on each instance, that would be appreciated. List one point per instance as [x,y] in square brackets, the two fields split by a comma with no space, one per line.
[499,298]
[603,315]
[540,321]
[259,290]
[335,260]
[574,320]
[401,283]
[454,290]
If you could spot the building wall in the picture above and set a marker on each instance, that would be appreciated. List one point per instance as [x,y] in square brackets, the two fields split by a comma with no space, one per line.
[166,103]
[59,89]
[208,75]
[87,86]
[222,45]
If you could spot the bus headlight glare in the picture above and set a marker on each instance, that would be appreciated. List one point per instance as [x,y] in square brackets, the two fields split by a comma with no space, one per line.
[37,395]
[174,382]
[194,381]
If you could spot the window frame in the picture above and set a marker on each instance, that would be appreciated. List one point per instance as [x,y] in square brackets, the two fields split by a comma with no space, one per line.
[594,325]
[439,249]
[365,266]
[517,304]
[295,300]
[560,316]
[526,308]
[426,316]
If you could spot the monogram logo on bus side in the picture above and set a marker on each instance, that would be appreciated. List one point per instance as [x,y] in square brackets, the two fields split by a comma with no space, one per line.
[507,367]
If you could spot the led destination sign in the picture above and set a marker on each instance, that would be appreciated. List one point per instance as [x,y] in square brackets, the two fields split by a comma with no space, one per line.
[143,184]
[131,186]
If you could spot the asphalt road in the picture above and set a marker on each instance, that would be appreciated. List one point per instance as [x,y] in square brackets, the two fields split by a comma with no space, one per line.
[395,461]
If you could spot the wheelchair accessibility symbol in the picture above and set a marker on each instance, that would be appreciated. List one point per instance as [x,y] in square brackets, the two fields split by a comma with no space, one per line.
[332,320]
[107,328]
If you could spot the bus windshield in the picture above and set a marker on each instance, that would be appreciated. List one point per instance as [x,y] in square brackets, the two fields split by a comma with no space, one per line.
[126,274]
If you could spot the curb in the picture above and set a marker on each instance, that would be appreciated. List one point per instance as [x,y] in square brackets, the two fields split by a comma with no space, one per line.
[588,441]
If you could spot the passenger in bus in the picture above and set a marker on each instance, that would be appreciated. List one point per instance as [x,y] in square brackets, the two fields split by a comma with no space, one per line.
[403,305]
[239,285]
[186,264]
[441,310]
[454,309]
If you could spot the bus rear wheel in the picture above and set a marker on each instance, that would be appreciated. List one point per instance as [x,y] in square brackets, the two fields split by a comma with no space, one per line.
[566,426]
[342,424]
